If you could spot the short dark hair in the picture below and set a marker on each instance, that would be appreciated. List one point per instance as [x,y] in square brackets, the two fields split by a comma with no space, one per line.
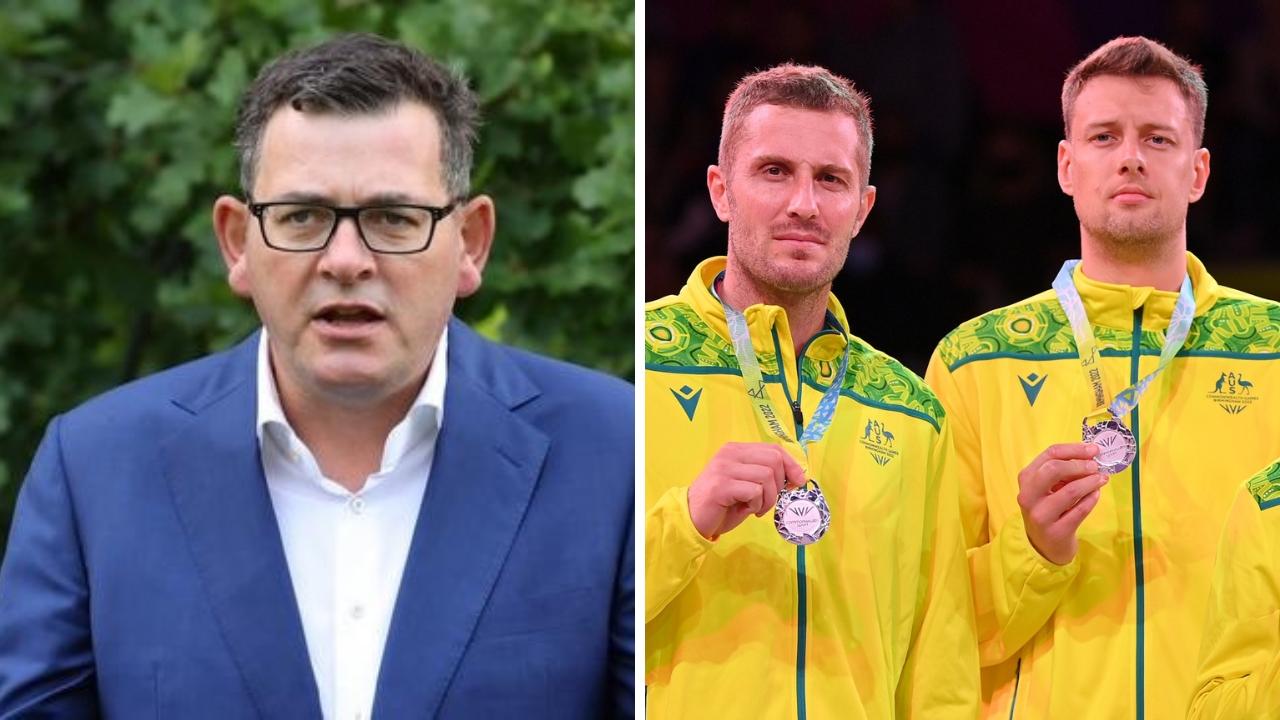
[807,87]
[1144,58]
[361,74]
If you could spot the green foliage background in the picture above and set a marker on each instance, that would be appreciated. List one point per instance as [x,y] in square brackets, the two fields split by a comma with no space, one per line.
[115,137]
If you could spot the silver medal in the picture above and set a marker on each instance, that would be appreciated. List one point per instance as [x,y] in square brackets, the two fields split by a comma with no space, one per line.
[1116,445]
[801,516]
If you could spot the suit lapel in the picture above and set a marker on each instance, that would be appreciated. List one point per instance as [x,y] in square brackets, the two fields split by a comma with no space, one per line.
[215,475]
[486,467]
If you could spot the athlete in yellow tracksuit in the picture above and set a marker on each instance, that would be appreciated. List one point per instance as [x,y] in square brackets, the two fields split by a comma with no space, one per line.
[1114,633]
[875,619]
[1239,675]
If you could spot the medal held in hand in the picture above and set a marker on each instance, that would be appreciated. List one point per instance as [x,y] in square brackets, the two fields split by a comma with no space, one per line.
[801,516]
[1116,445]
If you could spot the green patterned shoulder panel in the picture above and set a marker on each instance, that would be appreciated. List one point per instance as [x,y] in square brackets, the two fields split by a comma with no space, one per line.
[675,336]
[1265,486]
[878,378]
[1036,326]
[1239,324]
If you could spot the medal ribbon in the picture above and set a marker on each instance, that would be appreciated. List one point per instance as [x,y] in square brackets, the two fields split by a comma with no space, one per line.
[1184,311]
[759,395]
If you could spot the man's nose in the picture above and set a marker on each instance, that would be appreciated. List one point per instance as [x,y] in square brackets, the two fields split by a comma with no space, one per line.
[803,202]
[1132,160]
[346,258]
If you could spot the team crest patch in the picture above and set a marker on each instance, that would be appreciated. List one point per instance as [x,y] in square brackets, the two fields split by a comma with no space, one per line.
[1233,392]
[879,442]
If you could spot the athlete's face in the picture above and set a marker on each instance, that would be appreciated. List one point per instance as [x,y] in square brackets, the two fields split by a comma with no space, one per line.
[1132,165]
[793,197]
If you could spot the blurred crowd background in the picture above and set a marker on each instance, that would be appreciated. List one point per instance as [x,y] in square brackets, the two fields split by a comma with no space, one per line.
[965,97]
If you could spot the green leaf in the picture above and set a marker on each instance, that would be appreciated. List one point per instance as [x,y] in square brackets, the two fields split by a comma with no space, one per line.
[230,78]
[136,109]
[491,325]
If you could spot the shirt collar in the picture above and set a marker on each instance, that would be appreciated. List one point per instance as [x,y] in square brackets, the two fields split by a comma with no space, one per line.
[422,422]
[1112,305]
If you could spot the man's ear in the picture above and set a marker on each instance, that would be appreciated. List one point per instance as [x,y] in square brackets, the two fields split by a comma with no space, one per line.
[718,189]
[865,203]
[1064,168]
[1200,165]
[231,226]
[479,220]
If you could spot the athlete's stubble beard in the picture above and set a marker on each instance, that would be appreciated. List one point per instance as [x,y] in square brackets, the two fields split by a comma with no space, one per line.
[749,250]
[1135,237]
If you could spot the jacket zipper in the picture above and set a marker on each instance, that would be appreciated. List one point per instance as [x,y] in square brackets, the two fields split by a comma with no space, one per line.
[1139,575]
[1135,354]
[1017,680]
[802,639]
[802,595]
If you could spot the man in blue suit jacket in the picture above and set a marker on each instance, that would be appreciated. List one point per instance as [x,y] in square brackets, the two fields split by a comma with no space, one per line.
[295,528]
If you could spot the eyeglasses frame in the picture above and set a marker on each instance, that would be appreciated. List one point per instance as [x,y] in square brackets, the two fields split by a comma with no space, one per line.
[438,213]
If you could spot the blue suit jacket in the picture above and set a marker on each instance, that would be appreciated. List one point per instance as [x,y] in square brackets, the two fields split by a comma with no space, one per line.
[145,576]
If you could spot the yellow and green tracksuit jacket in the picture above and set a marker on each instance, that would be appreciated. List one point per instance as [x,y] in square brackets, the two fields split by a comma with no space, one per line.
[1239,675]
[1115,633]
[875,620]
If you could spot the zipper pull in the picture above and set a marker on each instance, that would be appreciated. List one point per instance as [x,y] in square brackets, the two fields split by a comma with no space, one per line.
[795,412]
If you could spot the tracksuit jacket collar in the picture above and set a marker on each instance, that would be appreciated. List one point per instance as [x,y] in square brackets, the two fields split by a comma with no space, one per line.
[762,319]
[1111,305]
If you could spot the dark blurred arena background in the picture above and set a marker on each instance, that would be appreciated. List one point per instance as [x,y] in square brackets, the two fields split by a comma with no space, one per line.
[968,215]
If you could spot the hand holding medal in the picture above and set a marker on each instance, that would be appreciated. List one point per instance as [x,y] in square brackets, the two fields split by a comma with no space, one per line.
[802,515]
[1056,492]
[1061,486]
[741,479]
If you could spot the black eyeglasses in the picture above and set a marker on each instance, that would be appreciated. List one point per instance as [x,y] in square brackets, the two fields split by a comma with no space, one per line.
[308,227]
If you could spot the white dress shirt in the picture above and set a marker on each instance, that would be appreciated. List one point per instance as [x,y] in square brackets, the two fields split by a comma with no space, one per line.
[346,551]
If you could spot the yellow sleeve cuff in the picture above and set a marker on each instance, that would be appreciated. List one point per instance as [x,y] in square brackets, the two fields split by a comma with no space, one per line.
[674,549]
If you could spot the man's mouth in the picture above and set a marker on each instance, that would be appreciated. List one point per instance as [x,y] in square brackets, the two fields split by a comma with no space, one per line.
[801,237]
[348,314]
[1130,194]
